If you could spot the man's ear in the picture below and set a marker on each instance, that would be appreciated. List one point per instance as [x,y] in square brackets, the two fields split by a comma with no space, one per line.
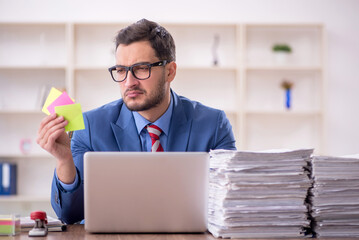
[171,71]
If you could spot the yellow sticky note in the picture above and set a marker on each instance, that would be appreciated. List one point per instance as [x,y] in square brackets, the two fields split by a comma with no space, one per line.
[54,93]
[73,114]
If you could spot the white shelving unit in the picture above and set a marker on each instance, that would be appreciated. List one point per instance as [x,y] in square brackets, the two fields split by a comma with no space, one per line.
[265,122]
[245,83]
[31,57]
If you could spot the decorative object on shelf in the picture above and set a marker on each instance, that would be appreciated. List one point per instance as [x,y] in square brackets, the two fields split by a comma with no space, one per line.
[8,172]
[25,145]
[287,86]
[281,52]
[215,49]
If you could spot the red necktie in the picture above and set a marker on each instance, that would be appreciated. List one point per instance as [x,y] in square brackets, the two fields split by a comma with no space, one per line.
[155,133]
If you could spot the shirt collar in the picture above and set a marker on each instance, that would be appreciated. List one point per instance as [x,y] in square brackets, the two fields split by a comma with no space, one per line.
[163,122]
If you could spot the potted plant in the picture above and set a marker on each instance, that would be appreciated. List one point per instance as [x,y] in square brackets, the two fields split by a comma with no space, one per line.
[281,52]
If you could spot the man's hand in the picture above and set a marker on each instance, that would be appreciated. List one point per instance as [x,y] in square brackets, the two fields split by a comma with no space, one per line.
[53,138]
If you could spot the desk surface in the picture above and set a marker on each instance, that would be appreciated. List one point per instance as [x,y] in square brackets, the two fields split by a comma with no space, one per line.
[78,232]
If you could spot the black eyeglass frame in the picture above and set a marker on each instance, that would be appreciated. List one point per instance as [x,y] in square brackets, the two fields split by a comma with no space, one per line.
[130,68]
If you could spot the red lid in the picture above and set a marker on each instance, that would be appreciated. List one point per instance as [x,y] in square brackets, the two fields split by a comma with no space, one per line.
[41,215]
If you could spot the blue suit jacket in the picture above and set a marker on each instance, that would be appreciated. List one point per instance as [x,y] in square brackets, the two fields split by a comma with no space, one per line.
[193,128]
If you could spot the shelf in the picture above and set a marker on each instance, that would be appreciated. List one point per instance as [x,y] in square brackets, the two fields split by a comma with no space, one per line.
[305,41]
[26,156]
[213,24]
[200,45]
[217,89]
[92,68]
[39,44]
[205,68]
[283,68]
[284,113]
[264,91]
[25,88]
[285,25]
[179,68]
[32,24]
[20,112]
[24,198]
[94,44]
[34,67]
[291,131]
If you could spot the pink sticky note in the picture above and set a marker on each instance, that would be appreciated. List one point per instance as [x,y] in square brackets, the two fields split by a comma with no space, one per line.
[63,99]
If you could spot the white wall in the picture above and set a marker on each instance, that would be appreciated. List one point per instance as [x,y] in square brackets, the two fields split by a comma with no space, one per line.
[340,17]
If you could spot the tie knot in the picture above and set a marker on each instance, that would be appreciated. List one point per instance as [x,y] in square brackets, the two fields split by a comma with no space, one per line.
[154,131]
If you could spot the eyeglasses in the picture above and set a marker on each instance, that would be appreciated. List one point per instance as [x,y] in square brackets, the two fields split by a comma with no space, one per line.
[140,71]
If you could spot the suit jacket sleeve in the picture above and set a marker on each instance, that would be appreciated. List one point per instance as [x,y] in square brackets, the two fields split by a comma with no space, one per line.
[224,134]
[69,205]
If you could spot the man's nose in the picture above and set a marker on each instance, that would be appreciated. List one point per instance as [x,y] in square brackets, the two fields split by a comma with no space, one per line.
[130,80]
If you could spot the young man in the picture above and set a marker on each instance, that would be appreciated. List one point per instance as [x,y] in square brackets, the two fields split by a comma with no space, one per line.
[149,117]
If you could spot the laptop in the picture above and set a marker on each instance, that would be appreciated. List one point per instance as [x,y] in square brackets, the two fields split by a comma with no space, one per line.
[145,192]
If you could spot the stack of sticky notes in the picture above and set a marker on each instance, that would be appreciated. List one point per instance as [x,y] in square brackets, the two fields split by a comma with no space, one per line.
[60,103]
[9,224]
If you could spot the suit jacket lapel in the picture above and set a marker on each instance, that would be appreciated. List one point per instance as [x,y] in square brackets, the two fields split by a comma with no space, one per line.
[125,131]
[180,127]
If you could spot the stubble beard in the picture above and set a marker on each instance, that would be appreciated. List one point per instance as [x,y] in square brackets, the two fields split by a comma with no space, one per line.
[155,99]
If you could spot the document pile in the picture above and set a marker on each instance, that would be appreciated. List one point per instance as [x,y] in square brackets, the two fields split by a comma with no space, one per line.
[53,224]
[336,196]
[259,194]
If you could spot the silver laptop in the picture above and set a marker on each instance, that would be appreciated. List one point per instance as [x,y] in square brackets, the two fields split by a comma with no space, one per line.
[146,192]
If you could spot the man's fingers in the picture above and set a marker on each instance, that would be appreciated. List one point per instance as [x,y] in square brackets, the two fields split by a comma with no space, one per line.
[46,120]
[52,138]
[45,124]
[56,132]
[48,130]
[53,129]
[49,124]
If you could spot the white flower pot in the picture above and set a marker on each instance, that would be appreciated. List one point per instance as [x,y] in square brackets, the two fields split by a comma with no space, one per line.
[281,58]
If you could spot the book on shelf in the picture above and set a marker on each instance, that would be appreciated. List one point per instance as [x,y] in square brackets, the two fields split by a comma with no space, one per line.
[8,172]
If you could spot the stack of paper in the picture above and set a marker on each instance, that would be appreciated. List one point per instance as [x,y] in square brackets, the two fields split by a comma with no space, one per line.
[53,224]
[259,194]
[336,196]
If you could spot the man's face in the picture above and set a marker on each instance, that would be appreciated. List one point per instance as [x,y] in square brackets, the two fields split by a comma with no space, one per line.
[141,95]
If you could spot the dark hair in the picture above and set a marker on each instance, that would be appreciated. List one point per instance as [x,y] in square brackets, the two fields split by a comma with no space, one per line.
[144,30]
